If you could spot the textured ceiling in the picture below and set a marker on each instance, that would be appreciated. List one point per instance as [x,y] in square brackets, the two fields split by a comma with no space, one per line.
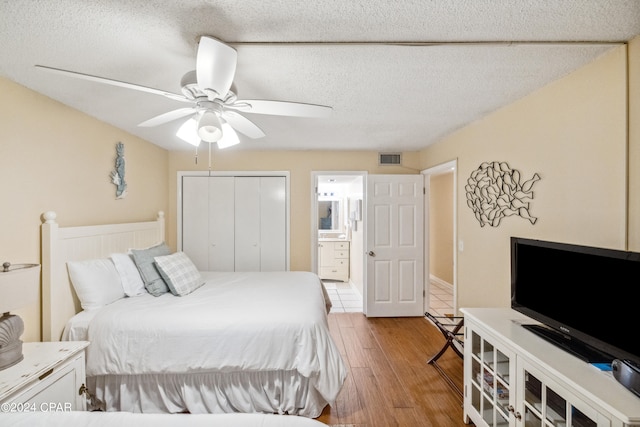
[399,74]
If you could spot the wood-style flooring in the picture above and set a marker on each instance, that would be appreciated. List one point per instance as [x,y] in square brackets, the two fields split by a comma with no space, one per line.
[389,381]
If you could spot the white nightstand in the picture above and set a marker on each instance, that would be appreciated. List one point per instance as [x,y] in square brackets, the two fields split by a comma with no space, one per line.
[50,378]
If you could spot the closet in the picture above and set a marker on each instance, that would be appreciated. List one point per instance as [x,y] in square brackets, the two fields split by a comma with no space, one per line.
[235,223]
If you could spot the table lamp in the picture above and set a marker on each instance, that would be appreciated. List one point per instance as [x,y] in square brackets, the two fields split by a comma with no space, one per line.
[19,286]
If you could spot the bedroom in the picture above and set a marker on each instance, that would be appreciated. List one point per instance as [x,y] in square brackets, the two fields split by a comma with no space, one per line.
[580,133]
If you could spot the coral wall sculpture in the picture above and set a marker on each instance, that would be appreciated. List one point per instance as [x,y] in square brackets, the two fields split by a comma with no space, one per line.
[495,191]
[117,175]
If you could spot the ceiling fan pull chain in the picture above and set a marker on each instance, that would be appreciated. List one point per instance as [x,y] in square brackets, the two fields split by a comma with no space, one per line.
[196,155]
[210,158]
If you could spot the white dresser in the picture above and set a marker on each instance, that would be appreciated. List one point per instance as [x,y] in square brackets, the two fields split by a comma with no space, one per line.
[333,260]
[514,378]
[51,378]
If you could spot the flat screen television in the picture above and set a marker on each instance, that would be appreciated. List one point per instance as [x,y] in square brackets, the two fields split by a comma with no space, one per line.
[584,297]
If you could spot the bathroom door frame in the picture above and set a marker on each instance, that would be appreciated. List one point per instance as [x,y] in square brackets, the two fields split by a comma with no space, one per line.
[314,210]
[447,167]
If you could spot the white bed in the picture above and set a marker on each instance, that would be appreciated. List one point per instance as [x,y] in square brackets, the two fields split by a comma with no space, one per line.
[120,419]
[242,342]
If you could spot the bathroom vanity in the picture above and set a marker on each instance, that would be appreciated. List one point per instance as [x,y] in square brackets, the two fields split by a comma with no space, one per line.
[333,259]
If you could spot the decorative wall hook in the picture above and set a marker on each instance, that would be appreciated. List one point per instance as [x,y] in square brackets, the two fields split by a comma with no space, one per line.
[495,191]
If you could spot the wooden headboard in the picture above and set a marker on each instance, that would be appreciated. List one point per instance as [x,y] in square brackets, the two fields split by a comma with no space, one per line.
[63,244]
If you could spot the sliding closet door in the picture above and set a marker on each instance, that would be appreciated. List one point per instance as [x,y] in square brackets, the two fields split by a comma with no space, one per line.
[273,224]
[260,234]
[247,251]
[221,223]
[195,220]
[235,223]
[208,222]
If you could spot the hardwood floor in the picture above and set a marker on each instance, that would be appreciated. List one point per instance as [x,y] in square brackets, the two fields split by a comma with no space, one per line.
[389,381]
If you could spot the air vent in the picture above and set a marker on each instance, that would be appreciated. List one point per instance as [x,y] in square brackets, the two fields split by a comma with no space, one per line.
[389,159]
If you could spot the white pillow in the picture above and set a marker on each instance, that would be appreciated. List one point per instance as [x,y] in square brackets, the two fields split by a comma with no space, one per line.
[97,282]
[129,275]
[179,272]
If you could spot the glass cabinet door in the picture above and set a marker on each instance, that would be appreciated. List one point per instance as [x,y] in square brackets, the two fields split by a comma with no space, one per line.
[490,386]
[547,405]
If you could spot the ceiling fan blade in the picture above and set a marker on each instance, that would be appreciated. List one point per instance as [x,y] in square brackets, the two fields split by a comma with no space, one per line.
[282,108]
[167,117]
[112,82]
[243,125]
[215,65]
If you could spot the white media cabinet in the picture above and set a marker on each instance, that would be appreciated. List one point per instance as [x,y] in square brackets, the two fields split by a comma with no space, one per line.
[514,378]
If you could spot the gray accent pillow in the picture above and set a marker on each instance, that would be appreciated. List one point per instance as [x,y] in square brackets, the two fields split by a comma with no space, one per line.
[144,259]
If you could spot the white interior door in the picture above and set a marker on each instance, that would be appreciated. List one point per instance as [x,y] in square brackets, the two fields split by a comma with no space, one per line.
[395,263]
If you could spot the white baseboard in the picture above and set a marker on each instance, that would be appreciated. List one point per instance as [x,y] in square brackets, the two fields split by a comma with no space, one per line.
[440,281]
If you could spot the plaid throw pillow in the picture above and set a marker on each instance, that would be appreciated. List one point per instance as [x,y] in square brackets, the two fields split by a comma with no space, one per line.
[179,272]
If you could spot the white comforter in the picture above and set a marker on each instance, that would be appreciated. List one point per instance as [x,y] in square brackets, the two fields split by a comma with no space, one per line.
[235,322]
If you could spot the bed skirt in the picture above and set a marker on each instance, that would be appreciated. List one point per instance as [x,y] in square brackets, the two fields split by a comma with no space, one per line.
[276,392]
[121,419]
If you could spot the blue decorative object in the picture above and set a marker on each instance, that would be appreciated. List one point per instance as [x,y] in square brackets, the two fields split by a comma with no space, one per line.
[117,175]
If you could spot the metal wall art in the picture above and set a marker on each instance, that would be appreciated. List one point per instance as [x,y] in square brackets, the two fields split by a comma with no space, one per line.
[117,175]
[495,191]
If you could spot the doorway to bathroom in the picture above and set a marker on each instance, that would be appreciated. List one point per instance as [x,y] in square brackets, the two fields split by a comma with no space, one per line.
[338,237]
[440,241]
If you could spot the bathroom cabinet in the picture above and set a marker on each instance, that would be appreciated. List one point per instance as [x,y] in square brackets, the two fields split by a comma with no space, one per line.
[333,260]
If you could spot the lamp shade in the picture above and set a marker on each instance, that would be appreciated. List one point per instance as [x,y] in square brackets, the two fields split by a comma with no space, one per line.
[229,137]
[19,287]
[188,132]
[209,127]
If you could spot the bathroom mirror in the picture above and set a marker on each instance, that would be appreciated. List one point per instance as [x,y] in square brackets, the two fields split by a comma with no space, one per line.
[329,215]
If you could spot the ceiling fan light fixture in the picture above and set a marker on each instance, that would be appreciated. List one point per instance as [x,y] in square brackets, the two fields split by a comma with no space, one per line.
[188,132]
[229,136]
[209,127]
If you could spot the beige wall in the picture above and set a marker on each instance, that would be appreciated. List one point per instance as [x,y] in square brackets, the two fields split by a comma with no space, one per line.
[573,133]
[56,158]
[300,165]
[441,227]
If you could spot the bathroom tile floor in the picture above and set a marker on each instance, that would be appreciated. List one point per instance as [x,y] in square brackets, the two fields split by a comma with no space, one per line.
[440,299]
[345,299]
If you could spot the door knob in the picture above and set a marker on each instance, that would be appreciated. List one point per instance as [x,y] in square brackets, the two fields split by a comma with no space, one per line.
[371,253]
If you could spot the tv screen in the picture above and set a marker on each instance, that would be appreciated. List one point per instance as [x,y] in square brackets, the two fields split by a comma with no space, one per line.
[585,295]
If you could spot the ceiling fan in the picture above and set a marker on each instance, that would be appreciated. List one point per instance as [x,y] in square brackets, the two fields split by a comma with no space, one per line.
[215,108]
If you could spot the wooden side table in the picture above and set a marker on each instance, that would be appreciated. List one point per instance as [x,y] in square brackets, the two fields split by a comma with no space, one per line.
[50,378]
